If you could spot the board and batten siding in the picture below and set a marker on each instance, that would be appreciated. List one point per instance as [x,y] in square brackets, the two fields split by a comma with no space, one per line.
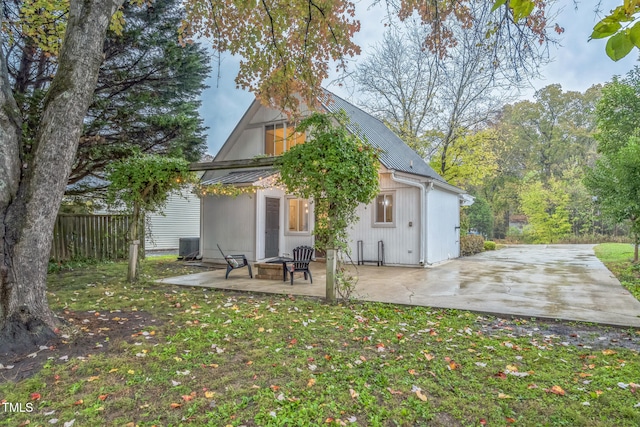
[402,241]
[181,219]
[228,222]
[443,236]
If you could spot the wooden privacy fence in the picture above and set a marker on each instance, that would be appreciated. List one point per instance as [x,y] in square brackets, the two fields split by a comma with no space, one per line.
[90,236]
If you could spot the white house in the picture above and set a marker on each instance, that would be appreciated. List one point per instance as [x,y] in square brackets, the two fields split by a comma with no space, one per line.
[180,218]
[416,215]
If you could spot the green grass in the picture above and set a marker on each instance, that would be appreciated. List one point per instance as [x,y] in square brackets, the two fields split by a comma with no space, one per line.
[618,257]
[215,358]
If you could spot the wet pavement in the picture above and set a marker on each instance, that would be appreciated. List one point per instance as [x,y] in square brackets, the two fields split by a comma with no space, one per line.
[563,282]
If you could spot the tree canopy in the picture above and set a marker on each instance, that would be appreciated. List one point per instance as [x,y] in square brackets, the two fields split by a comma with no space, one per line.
[146,95]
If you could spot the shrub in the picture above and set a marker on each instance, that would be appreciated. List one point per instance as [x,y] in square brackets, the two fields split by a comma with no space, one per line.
[489,245]
[471,244]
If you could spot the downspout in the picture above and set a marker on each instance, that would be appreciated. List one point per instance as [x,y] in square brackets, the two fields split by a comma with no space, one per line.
[423,212]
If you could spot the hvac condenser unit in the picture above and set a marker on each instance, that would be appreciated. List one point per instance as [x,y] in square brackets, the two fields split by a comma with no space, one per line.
[188,247]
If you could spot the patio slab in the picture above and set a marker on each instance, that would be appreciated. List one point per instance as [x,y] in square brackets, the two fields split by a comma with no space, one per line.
[535,281]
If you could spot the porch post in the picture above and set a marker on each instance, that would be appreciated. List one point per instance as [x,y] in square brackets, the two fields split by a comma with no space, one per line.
[331,275]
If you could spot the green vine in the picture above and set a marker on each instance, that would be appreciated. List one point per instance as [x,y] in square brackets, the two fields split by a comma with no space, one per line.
[219,189]
[338,171]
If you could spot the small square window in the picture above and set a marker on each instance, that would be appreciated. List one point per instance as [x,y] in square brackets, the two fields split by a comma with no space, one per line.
[384,209]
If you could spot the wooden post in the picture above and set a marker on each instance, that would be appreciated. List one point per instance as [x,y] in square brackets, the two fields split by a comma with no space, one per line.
[331,275]
[133,261]
[134,238]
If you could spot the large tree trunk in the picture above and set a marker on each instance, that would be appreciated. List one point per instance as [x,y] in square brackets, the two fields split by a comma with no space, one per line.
[33,175]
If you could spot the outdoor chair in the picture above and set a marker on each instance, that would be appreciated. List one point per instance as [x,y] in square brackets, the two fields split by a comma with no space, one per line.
[301,259]
[235,262]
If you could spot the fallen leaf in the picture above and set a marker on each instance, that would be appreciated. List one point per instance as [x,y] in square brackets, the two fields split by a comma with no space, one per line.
[175,405]
[608,352]
[556,389]
[311,382]
[209,394]
[353,393]
[274,387]
[429,357]
[421,396]
[390,390]
[35,396]
[103,397]
[97,377]
[186,397]
[78,402]
[503,396]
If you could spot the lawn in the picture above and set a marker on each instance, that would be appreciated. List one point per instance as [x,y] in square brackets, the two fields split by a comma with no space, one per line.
[618,258]
[162,355]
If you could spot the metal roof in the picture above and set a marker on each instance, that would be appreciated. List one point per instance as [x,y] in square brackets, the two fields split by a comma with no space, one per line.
[241,177]
[395,153]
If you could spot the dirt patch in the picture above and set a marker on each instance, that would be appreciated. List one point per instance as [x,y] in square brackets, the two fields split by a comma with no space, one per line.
[570,334]
[87,333]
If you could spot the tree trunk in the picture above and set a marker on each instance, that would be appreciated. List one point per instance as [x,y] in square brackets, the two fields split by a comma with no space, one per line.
[33,175]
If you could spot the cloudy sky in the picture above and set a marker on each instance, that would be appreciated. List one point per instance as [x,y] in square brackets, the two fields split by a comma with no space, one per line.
[577,65]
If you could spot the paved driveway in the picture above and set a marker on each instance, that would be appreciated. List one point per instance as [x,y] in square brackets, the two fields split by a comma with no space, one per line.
[544,281]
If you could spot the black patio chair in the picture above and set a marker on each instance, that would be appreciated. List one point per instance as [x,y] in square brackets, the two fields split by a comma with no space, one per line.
[301,259]
[234,262]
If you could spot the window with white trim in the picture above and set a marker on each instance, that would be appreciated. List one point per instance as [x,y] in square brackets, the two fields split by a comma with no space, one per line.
[280,137]
[383,209]
[298,218]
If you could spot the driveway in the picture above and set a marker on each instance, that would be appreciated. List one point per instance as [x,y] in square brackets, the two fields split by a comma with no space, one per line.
[533,281]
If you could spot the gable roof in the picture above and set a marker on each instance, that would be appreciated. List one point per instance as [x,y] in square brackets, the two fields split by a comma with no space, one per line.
[395,153]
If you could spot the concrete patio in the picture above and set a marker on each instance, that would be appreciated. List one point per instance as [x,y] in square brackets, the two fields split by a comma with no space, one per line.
[534,281]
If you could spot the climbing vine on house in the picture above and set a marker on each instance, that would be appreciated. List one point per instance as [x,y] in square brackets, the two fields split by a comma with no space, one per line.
[338,171]
[220,189]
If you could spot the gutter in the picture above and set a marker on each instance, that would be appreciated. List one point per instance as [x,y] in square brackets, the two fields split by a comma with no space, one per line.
[424,189]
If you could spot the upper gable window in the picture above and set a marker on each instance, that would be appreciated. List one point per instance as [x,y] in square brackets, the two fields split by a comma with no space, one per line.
[280,137]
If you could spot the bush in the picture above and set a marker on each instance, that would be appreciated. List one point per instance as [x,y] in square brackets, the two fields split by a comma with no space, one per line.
[471,244]
[489,245]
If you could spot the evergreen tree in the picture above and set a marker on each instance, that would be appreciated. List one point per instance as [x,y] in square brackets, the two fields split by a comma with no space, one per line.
[146,98]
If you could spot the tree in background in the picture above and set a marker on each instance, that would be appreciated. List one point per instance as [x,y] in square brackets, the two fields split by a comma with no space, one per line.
[480,217]
[545,205]
[142,183]
[549,138]
[337,171]
[434,102]
[551,133]
[615,181]
[146,99]
[615,178]
[472,160]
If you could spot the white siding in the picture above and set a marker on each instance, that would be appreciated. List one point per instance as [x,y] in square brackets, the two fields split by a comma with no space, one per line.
[402,241]
[252,144]
[230,223]
[287,242]
[443,218]
[181,219]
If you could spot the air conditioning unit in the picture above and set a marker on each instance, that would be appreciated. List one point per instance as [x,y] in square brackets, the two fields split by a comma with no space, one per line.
[188,247]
